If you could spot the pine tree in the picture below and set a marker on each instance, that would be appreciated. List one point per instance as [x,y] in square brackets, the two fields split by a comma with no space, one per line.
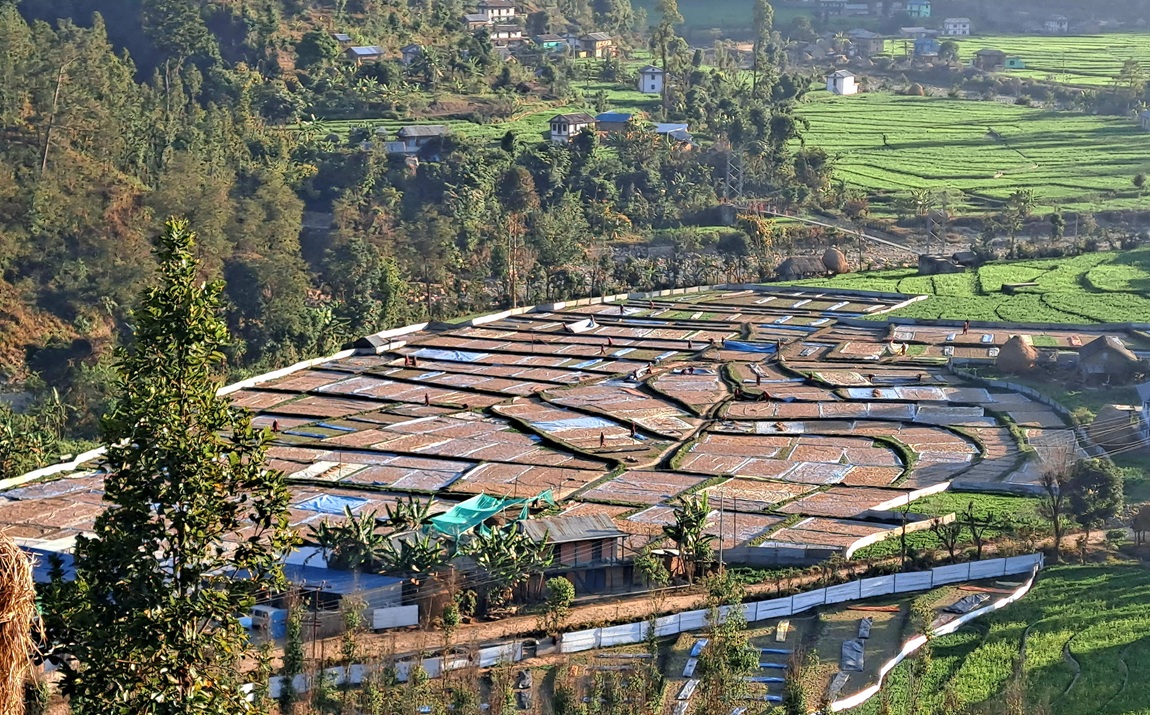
[195,525]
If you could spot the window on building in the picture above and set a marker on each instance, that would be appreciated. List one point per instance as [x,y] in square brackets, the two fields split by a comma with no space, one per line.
[597,551]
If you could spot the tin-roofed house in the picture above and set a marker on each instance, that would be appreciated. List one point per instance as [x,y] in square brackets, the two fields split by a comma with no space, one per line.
[359,55]
[596,44]
[1106,360]
[410,139]
[612,122]
[408,54]
[588,550]
[564,127]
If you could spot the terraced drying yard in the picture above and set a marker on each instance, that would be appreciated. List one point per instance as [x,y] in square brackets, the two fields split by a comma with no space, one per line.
[981,151]
[796,417]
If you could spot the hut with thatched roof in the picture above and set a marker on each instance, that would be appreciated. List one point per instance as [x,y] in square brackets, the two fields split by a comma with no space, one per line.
[798,267]
[1017,356]
[1106,359]
[835,262]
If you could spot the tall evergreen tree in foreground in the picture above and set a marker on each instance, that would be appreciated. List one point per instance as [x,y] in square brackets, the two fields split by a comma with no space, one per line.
[195,525]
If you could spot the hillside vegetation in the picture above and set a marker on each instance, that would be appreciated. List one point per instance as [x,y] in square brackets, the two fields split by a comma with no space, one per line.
[1091,288]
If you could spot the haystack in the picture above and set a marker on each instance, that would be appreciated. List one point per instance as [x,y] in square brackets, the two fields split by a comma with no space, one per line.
[1017,356]
[17,611]
[835,261]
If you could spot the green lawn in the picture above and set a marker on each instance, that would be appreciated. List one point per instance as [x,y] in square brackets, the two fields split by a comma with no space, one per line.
[1080,59]
[1069,290]
[1070,160]
[1096,615]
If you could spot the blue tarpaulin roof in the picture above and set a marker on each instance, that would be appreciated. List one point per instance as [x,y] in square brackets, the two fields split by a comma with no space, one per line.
[336,581]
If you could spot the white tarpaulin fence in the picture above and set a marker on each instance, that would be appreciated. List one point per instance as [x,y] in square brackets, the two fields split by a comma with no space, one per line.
[783,607]
[630,633]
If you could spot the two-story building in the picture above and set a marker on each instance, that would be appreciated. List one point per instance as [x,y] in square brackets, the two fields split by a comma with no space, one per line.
[918,8]
[865,43]
[596,44]
[497,11]
[651,80]
[1057,25]
[565,127]
[956,26]
[588,550]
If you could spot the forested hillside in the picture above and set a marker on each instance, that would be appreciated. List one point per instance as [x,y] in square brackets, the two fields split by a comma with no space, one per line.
[117,114]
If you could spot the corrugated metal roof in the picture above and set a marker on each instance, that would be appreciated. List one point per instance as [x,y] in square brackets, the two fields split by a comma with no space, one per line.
[565,529]
[574,118]
[368,51]
[422,130]
[614,117]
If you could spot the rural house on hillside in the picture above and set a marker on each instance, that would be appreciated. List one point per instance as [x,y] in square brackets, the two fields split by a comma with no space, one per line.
[956,26]
[359,55]
[1144,120]
[842,82]
[566,126]
[1107,360]
[651,80]
[989,59]
[409,53]
[588,550]
[1057,25]
[926,47]
[866,43]
[597,45]
[611,122]
[918,8]
[497,11]
[413,138]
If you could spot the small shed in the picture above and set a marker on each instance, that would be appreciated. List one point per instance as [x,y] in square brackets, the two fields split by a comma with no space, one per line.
[925,47]
[675,131]
[842,82]
[1144,120]
[1106,359]
[798,267]
[359,55]
[1014,62]
[551,42]
[410,53]
[651,80]
[611,122]
[988,59]
[341,37]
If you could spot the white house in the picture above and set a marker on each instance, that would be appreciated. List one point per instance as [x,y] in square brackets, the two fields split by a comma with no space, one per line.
[1057,25]
[842,82]
[956,26]
[651,80]
[497,11]
[566,126]
[504,34]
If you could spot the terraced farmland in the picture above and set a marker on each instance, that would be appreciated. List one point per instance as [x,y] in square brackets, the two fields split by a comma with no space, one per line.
[1068,160]
[1094,287]
[1080,60]
[1086,633]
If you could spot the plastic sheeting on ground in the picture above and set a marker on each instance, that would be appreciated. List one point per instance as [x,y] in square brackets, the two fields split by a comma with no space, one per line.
[864,627]
[449,355]
[331,504]
[573,423]
[748,347]
[852,656]
[966,604]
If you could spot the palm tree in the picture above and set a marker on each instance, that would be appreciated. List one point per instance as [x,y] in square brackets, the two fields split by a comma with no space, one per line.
[687,532]
[408,514]
[353,545]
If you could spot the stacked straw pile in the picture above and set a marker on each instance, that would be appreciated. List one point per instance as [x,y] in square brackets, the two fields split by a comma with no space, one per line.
[17,611]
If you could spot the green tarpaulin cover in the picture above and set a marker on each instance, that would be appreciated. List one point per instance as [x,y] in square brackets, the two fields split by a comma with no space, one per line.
[467,515]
